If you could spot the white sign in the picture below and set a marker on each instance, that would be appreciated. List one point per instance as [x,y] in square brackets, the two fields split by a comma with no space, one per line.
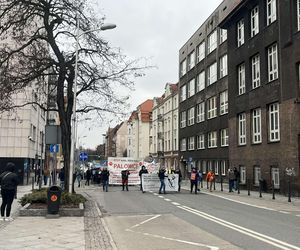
[151,182]
[152,167]
[116,165]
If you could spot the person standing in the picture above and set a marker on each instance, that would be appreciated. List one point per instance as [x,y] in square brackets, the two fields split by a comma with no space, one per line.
[177,171]
[236,178]
[142,171]
[200,179]
[231,178]
[9,182]
[161,176]
[46,176]
[194,179]
[125,174]
[105,179]
[210,178]
[88,175]
[61,177]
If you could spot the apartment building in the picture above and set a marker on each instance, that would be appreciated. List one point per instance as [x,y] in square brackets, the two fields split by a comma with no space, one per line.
[139,127]
[203,96]
[121,140]
[264,91]
[164,146]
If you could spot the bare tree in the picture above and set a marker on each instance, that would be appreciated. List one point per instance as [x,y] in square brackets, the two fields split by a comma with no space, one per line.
[38,40]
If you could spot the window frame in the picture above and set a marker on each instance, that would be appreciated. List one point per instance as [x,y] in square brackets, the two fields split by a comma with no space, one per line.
[212,139]
[191,143]
[212,74]
[273,69]
[191,60]
[257,174]
[240,32]
[223,35]
[200,81]
[241,79]
[271,11]
[274,122]
[256,126]
[224,137]
[224,102]
[200,51]
[211,107]
[255,67]
[183,121]
[183,93]
[183,67]
[223,64]
[200,112]
[242,127]
[254,21]
[191,116]
[183,145]
[191,88]
[212,41]
[201,141]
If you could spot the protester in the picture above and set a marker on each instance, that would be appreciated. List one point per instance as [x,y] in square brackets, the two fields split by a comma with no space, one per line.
[162,175]
[78,176]
[125,174]
[200,179]
[177,171]
[105,179]
[231,178]
[194,179]
[142,171]
[9,183]
[236,178]
[88,175]
[210,178]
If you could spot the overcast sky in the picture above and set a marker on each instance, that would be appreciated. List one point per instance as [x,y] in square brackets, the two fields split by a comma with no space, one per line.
[154,29]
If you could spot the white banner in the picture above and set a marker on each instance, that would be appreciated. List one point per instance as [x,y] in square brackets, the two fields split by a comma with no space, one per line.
[151,182]
[116,165]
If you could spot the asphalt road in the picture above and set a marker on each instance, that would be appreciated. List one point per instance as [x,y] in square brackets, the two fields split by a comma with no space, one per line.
[182,220]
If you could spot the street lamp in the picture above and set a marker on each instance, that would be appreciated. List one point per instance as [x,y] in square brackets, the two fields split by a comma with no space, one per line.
[73,131]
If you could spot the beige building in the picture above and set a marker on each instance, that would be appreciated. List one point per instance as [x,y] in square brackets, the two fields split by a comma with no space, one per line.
[164,147]
[121,141]
[139,129]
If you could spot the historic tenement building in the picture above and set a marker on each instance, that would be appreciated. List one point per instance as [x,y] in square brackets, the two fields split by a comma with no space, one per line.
[264,91]
[203,97]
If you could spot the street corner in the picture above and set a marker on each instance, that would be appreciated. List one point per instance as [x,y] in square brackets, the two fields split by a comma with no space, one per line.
[157,231]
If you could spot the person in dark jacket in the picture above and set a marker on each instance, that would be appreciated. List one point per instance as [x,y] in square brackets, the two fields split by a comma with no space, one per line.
[194,179]
[142,171]
[9,183]
[162,175]
[125,174]
[105,179]
[88,175]
[177,171]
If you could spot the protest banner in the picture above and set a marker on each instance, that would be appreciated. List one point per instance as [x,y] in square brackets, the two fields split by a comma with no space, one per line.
[151,182]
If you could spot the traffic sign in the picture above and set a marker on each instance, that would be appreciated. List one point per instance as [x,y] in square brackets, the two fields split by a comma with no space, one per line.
[54,148]
[83,156]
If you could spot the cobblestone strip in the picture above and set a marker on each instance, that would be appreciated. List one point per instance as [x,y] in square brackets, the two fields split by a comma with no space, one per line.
[97,235]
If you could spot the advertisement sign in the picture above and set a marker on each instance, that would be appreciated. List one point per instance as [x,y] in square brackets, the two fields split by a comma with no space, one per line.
[151,182]
[116,165]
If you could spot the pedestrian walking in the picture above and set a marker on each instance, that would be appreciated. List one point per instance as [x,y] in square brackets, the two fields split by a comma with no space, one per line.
[9,183]
[78,176]
[46,176]
[236,178]
[142,171]
[125,174]
[231,178]
[200,179]
[194,177]
[105,179]
[161,176]
[210,178]
[88,175]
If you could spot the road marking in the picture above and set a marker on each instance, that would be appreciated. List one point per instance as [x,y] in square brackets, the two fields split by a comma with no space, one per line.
[155,193]
[284,212]
[167,200]
[270,240]
[167,238]
[175,203]
[298,215]
[160,196]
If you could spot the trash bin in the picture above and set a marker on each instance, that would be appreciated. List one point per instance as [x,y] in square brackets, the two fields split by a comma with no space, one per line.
[53,199]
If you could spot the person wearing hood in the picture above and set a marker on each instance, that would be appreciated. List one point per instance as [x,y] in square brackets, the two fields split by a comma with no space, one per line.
[9,182]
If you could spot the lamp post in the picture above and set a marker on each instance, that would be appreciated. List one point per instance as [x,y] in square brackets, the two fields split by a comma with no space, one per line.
[73,129]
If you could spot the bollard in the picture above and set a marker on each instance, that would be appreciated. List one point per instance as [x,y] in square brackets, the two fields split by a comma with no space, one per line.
[32,183]
[248,186]
[273,190]
[260,183]
[289,190]
[214,184]
[207,184]
[221,183]
[238,185]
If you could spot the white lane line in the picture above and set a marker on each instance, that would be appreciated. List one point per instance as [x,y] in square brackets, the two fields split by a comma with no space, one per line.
[175,203]
[167,200]
[145,221]
[160,196]
[270,240]
[284,212]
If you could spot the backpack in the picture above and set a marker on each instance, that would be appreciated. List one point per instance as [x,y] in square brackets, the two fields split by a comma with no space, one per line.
[193,176]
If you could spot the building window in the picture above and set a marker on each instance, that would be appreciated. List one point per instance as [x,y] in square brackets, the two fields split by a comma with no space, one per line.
[274,133]
[191,143]
[211,107]
[255,61]
[200,142]
[223,66]
[242,129]
[271,11]
[33,133]
[254,21]
[298,14]
[256,126]
[223,35]
[183,68]
[243,176]
[223,167]
[240,33]
[212,139]
[183,119]
[200,52]
[257,175]
[212,42]
[241,79]
[200,112]
[224,102]
[272,63]
[204,167]
[191,87]
[224,137]
[216,168]
[183,145]
[212,74]
[275,177]
[209,165]
[191,116]
[183,93]
[191,60]
[200,81]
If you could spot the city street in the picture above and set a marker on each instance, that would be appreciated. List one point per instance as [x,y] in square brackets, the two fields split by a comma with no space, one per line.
[214,220]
